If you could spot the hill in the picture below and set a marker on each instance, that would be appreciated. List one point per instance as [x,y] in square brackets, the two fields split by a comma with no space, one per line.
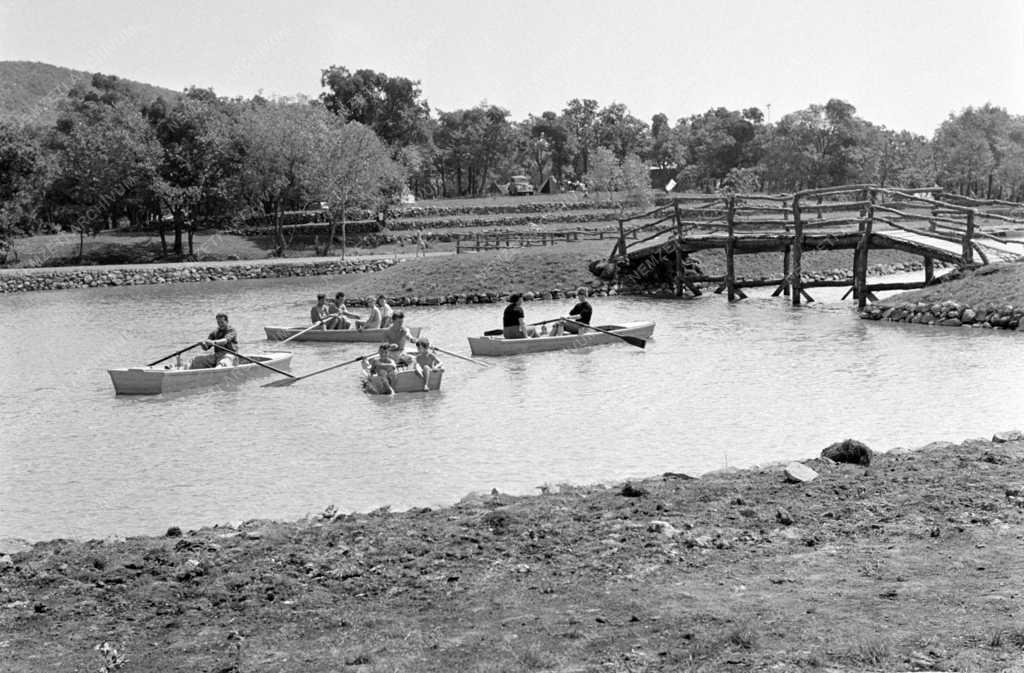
[33,90]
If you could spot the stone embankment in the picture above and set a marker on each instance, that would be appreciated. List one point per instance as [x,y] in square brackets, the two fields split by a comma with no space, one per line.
[948,313]
[667,288]
[56,278]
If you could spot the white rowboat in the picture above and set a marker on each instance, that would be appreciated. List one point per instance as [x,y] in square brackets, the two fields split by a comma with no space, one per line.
[332,335]
[156,380]
[497,345]
[406,381]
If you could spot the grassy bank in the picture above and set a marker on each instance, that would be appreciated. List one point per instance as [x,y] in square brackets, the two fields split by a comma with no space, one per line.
[909,563]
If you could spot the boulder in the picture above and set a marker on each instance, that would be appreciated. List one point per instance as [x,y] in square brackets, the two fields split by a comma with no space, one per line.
[848,451]
[1008,436]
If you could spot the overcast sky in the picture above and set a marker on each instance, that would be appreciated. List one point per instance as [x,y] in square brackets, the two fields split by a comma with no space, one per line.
[903,64]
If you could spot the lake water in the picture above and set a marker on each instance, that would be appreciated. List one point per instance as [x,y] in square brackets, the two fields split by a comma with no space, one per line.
[719,385]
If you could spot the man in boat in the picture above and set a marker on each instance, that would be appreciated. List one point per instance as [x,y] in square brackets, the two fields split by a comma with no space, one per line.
[397,333]
[581,313]
[223,341]
[339,312]
[513,320]
[386,312]
[320,311]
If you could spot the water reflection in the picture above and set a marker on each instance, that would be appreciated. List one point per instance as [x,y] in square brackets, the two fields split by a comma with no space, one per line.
[719,384]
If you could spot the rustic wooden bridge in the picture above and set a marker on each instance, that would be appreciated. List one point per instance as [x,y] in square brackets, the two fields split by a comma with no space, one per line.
[654,246]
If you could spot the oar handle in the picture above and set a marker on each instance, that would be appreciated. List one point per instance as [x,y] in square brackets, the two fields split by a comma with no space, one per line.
[255,362]
[496,332]
[187,348]
[296,379]
[316,324]
[461,357]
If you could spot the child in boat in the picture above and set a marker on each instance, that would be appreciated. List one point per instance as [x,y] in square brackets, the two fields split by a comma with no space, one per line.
[383,365]
[425,361]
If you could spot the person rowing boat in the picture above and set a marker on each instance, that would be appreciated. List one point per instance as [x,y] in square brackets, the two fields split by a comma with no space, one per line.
[224,341]
[580,313]
[339,313]
[397,333]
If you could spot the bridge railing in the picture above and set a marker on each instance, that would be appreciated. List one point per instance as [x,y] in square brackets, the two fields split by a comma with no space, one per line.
[823,215]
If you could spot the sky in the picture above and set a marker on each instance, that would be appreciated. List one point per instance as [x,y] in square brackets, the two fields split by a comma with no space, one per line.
[904,64]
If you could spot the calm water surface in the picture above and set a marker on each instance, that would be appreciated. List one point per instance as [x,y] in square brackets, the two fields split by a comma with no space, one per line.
[719,385]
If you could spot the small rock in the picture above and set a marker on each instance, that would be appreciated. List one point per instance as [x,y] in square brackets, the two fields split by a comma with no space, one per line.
[798,472]
[173,531]
[631,491]
[783,517]
[1008,436]
[663,527]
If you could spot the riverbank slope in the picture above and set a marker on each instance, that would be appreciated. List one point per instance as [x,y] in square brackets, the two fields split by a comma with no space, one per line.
[912,562]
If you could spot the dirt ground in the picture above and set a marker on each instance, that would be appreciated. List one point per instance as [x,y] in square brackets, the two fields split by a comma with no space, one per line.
[912,562]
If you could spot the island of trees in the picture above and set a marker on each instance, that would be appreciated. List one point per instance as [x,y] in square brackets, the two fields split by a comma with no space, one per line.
[112,154]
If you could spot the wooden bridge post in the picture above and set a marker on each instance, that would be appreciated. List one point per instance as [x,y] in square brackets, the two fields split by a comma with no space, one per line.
[678,289]
[968,250]
[795,282]
[622,238]
[730,247]
[860,267]
[785,270]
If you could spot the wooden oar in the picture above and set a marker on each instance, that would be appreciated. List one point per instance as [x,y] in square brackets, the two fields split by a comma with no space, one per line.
[296,379]
[187,348]
[461,357]
[632,341]
[316,324]
[496,332]
[255,362]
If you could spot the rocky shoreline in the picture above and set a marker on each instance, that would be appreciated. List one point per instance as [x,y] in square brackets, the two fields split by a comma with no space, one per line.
[56,278]
[948,313]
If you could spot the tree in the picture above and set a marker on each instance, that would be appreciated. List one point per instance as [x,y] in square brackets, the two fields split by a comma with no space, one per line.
[352,168]
[608,173]
[22,172]
[815,147]
[579,117]
[279,146]
[621,132]
[391,106]
[106,163]
[470,144]
[976,148]
[200,157]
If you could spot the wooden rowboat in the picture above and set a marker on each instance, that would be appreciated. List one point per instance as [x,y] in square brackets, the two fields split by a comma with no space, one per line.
[405,381]
[156,380]
[496,345]
[332,335]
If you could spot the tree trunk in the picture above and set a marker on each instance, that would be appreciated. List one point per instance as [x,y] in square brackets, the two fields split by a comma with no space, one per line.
[178,224]
[163,234]
[330,237]
[278,231]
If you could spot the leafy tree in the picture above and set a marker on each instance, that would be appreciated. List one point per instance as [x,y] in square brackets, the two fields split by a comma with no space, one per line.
[200,157]
[814,147]
[557,143]
[279,145]
[977,148]
[106,163]
[351,168]
[609,173]
[391,106]
[621,132]
[470,144]
[579,118]
[22,172]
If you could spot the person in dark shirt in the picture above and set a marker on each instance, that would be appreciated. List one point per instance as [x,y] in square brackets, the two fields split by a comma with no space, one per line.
[580,313]
[513,320]
[223,341]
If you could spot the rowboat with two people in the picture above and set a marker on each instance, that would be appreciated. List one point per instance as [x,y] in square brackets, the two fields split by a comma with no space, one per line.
[311,333]
[632,332]
[222,364]
[572,331]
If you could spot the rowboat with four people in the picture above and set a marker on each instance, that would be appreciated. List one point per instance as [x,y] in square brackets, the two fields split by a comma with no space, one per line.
[331,335]
[599,334]
[153,380]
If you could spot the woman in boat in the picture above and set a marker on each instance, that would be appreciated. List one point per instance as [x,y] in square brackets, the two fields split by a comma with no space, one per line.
[425,361]
[223,341]
[580,313]
[513,320]
[386,312]
[373,320]
[339,313]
